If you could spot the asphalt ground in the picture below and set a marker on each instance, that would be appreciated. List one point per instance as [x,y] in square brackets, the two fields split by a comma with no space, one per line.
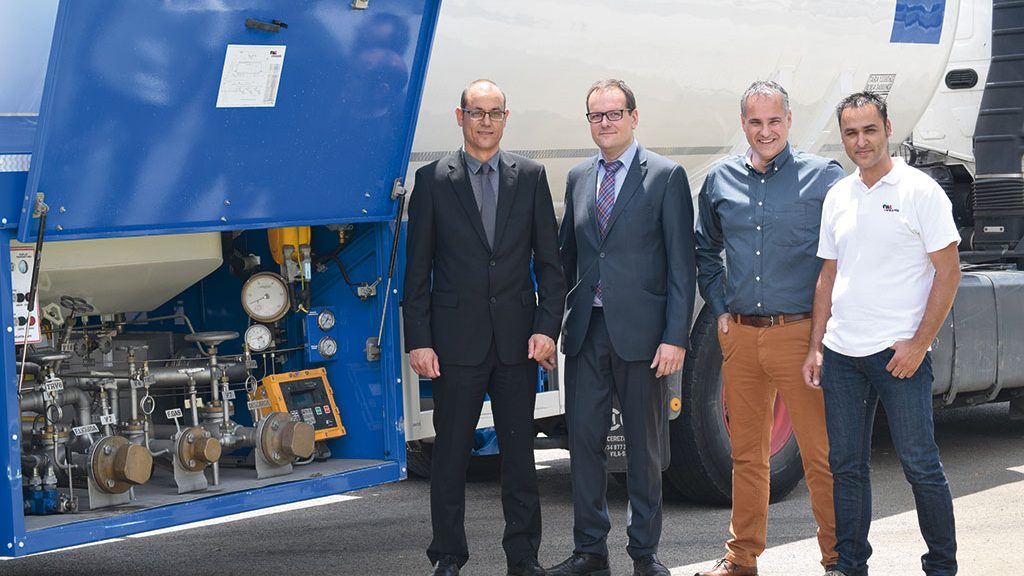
[384,530]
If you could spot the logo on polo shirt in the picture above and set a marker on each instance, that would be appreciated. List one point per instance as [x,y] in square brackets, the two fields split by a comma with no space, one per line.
[889,208]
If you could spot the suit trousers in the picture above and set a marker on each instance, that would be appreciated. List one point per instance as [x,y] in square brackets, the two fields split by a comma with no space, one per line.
[759,363]
[592,376]
[458,399]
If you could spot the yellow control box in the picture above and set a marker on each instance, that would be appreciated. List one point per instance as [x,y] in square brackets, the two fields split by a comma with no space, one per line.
[307,396]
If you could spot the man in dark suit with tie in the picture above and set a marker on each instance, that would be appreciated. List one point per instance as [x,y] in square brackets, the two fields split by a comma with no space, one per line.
[628,254]
[476,324]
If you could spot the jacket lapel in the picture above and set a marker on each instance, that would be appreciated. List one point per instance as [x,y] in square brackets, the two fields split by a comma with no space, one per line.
[464,192]
[634,178]
[587,190]
[506,196]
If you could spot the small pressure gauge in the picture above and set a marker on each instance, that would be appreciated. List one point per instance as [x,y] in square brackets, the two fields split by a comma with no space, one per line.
[258,337]
[265,297]
[325,320]
[327,347]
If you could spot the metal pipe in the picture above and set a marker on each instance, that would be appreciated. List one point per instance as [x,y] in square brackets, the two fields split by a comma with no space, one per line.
[165,376]
[240,436]
[35,401]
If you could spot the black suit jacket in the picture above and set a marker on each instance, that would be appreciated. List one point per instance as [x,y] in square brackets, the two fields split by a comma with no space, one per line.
[645,262]
[459,293]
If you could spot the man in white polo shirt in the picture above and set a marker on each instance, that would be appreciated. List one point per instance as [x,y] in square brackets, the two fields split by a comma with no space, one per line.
[890,272]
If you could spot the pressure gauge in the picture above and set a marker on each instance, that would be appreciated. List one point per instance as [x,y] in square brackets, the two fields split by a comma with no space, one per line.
[258,337]
[325,320]
[327,347]
[265,297]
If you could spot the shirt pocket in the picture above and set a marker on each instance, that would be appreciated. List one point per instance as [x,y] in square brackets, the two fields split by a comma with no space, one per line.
[793,226]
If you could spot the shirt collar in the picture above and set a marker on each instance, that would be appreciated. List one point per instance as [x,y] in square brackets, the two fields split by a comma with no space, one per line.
[626,157]
[891,178]
[774,164]
[475,165]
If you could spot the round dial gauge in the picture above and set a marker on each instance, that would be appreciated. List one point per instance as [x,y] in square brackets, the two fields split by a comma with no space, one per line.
[258,337]
[327,347]
[325,320]
[265,297]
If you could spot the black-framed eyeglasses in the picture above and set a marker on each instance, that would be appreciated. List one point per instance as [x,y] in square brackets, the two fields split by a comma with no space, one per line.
[478,114]
[612,115]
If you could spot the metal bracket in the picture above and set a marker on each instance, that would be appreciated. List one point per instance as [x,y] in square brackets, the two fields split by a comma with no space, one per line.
[40,207]
[397,190]
[365,290]
[360,4]
[372,349]
[100,499]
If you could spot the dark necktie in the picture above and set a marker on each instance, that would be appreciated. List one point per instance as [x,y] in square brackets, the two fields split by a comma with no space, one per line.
[605,203]
[606,194]
[488,204]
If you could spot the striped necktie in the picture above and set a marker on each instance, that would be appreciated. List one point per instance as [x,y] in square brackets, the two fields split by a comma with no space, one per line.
[606,194]
[605,203]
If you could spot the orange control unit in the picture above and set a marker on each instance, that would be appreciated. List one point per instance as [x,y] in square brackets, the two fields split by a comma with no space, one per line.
[307,396]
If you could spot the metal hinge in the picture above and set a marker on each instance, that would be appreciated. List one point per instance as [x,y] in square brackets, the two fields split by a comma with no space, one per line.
[40,206]
[397,190]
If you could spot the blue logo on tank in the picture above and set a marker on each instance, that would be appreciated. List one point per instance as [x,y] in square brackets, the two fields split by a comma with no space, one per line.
[918,21]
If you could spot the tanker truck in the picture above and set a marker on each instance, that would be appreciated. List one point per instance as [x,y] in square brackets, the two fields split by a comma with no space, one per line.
[202,214]
[688,63]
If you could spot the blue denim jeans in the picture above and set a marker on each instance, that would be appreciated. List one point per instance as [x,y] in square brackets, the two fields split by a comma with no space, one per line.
[853,387]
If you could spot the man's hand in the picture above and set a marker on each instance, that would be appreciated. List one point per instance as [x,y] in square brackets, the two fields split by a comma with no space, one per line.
[542,349]
[907,359]
[668,359]
[812,369]
[724,320]
[424,362]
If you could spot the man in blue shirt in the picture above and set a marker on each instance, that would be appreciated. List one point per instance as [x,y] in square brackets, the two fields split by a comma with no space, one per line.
[764,209]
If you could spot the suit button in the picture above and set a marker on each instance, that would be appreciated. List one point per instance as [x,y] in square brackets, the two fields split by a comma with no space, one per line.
[601,254]
[494,300]
[492,263]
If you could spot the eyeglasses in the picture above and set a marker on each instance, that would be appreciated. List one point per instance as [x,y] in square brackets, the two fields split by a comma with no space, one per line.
[612,115]
[478,114]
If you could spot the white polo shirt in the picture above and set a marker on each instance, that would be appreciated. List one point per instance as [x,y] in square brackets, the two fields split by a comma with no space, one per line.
[880,238]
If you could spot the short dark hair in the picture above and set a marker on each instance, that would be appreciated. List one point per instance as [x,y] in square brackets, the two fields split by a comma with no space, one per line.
[463,102]
[859,100]
[611,84]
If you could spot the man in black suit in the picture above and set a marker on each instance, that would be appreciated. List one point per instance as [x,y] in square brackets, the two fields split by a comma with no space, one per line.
[476,324]
[628,253]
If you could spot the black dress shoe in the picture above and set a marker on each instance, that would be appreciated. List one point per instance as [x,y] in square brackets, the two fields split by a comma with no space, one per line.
[649,565]
[582,564]
[527,567]
[446,566]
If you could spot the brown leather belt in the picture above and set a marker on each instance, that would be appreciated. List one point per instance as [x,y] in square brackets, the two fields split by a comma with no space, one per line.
[769,321]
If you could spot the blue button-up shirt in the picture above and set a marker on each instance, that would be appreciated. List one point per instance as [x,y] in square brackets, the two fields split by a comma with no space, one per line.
[768,225]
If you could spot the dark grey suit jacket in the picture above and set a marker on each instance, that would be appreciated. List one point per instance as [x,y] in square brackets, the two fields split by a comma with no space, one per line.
[645,261]
[460,295]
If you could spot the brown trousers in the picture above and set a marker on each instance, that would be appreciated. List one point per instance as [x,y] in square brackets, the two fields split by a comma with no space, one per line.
[759,363]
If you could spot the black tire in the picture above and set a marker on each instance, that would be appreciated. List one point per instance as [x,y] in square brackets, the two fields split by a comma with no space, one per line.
[701,466]
[418,456]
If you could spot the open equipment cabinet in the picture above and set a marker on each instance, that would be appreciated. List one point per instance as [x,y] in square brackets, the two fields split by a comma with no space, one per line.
[211,195]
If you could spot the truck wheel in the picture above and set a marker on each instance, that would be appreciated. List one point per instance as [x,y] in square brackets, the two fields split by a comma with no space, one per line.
[417,458]
[701,466]
[483,468]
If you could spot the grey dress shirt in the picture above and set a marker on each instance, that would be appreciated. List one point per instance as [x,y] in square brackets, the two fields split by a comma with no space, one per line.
[768,225]
[476,179]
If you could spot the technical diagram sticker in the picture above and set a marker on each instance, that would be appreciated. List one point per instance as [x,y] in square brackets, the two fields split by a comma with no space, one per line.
[251,76]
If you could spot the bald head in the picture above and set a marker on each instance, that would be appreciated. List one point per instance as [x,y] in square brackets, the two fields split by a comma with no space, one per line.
[480,87]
